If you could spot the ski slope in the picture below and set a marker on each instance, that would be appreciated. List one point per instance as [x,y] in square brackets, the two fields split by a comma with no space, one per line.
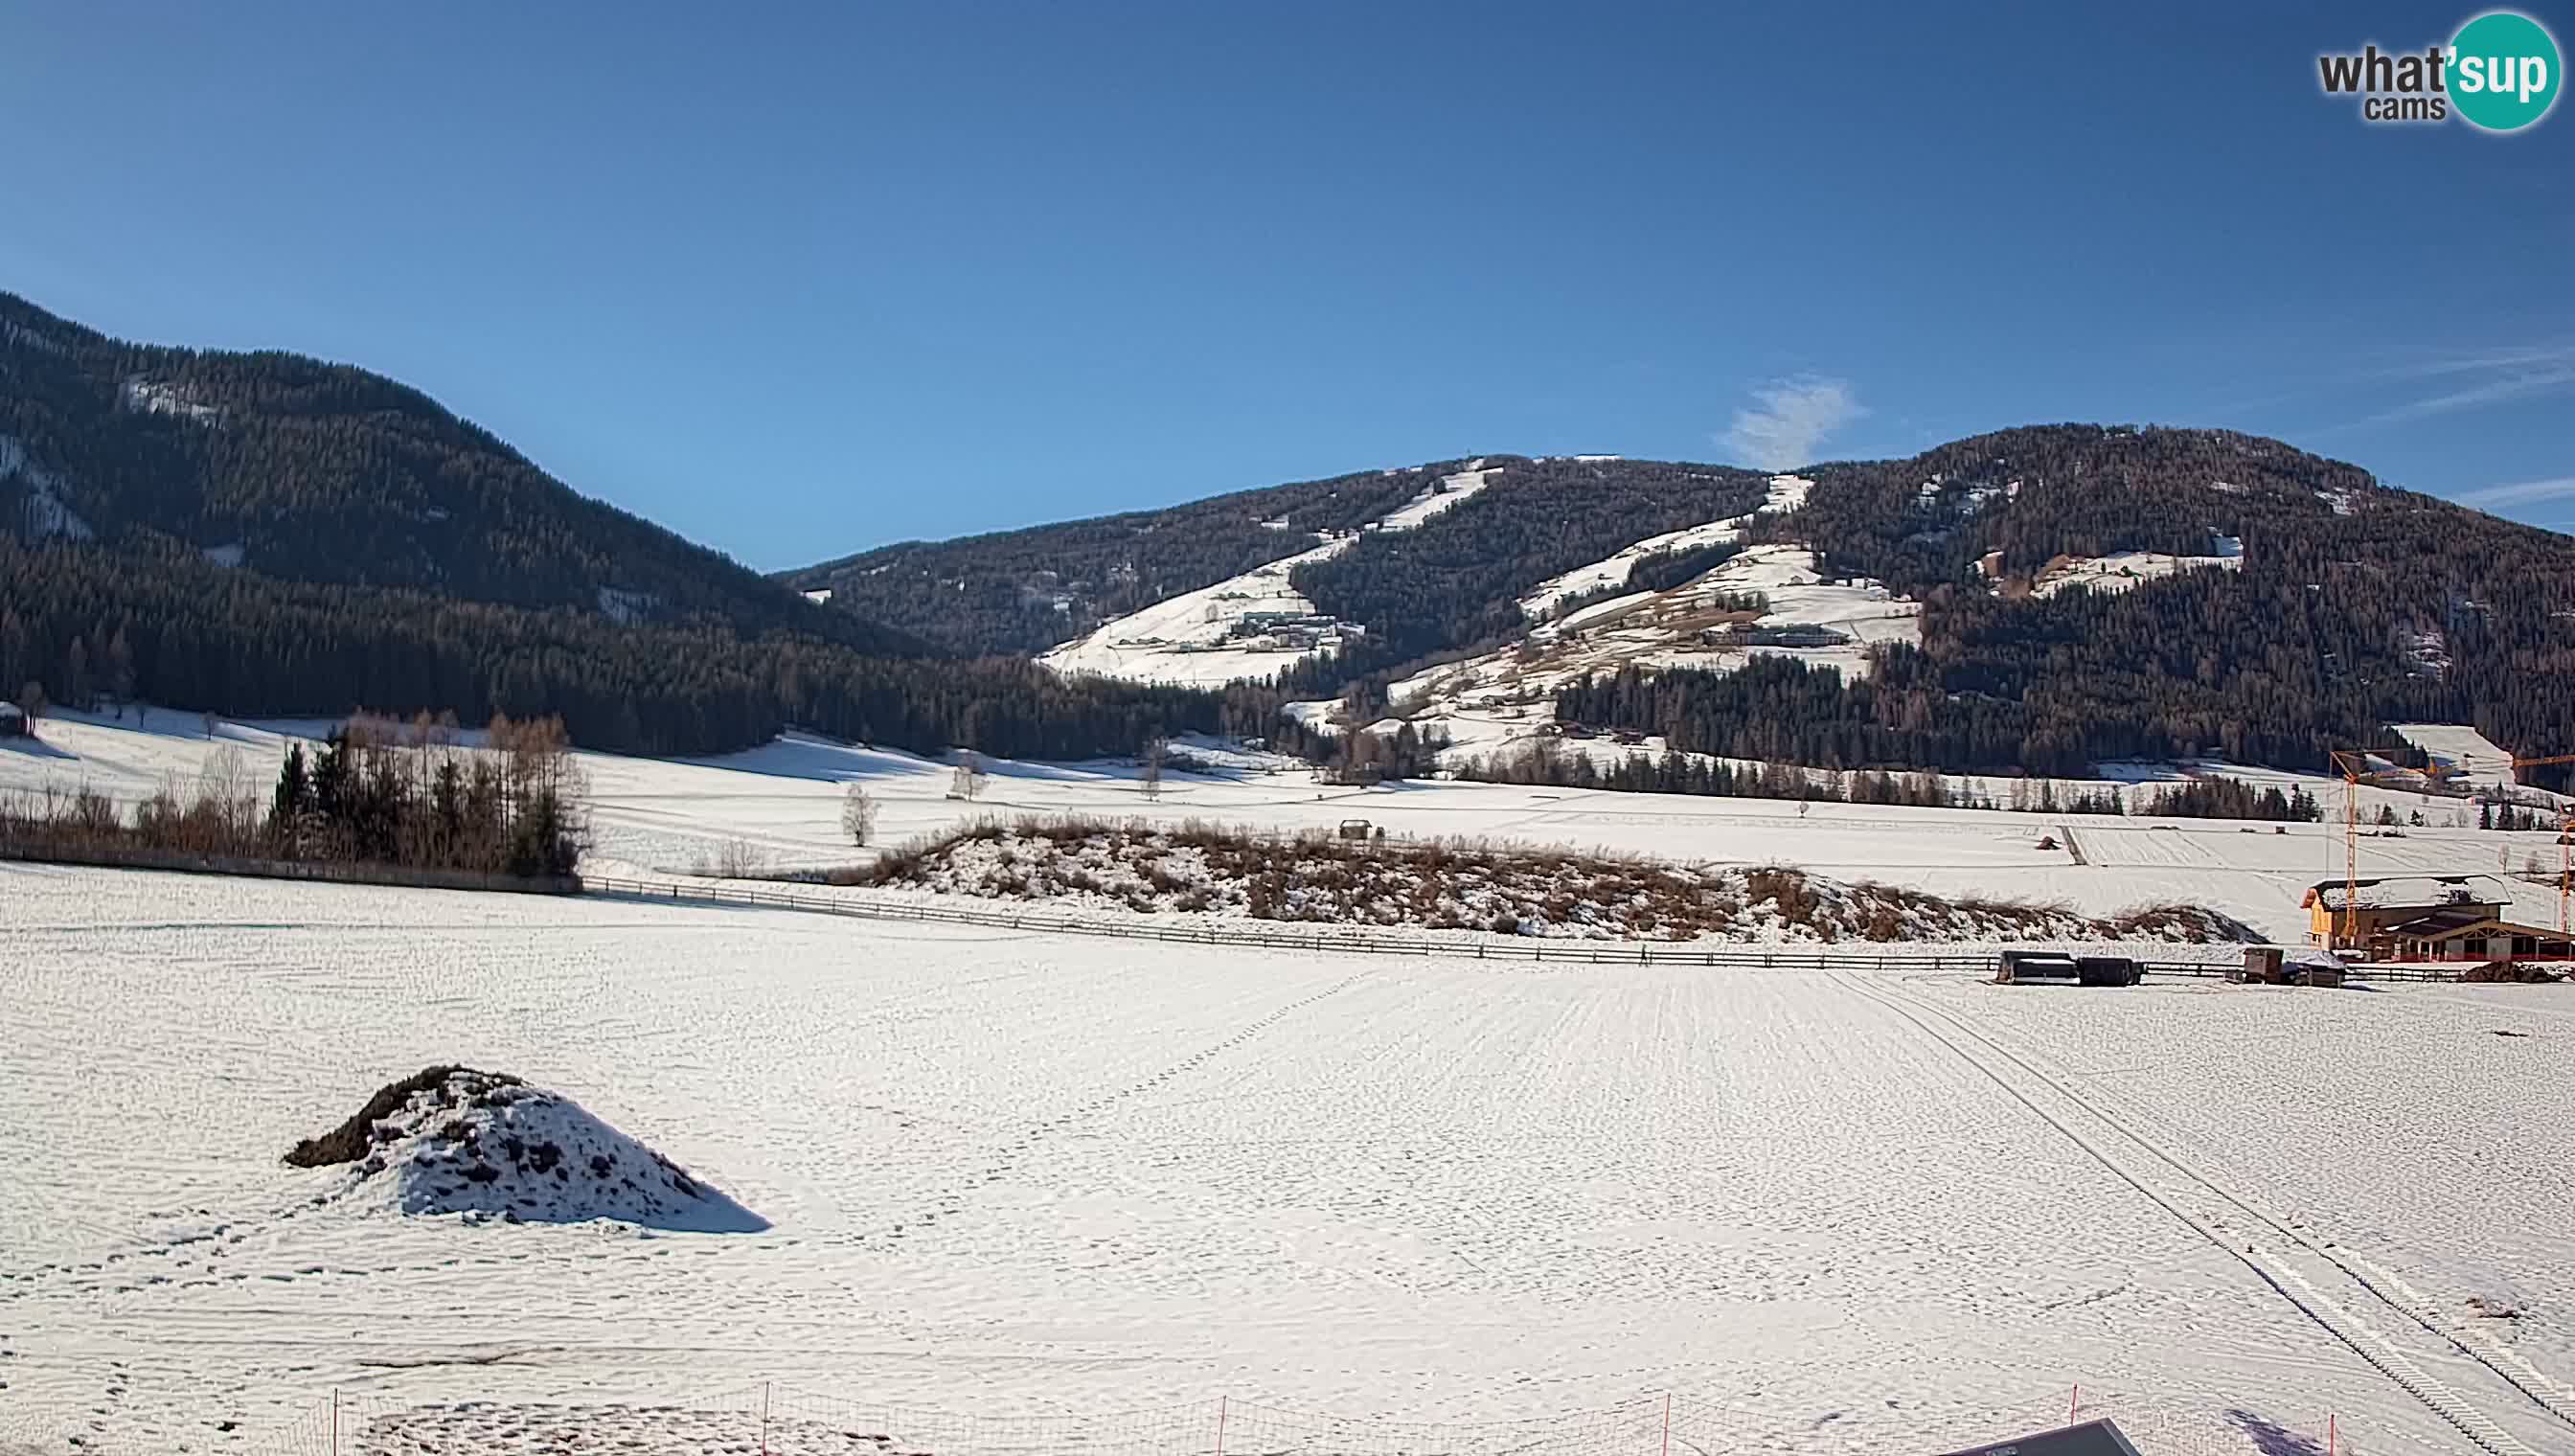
[1016,1176]
[1200,638]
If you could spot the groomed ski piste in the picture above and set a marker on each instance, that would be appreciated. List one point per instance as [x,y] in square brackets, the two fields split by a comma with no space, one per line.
[1014,1179]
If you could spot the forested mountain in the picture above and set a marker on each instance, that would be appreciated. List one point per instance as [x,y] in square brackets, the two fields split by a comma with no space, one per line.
[2318,607]
[268,534]
[262,534]
[2351,605]
[314,472]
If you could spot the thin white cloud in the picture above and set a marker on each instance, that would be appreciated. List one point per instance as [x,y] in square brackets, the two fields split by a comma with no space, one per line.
[2525,493]
[1789,420]
[2511,355]
[2530,385]
[2496,375]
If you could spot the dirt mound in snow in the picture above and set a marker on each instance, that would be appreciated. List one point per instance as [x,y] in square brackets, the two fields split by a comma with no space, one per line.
[488,1145]
[1449,885]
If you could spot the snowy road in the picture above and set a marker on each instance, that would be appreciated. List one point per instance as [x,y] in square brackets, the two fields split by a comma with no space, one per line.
[1027,1176]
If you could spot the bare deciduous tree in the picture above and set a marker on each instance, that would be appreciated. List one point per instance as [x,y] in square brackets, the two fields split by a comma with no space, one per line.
[1151,757]
[857,815]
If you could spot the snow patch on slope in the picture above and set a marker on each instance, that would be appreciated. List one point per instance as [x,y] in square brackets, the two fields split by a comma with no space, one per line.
[1250,626]
[1787,492]
[48,514]
[2469,757]
[626,608]
[490,1146]
[146,398]
[2123,570]
[1444,495]
[225,556]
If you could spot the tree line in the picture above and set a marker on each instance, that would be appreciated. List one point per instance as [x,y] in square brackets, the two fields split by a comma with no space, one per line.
[374,792]
[83,623]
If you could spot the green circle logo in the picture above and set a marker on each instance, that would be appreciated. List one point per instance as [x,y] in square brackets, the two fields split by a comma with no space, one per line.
[2504,71]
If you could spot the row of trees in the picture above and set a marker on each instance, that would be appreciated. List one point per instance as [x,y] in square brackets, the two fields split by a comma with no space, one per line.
[2229,798]
[1551,761]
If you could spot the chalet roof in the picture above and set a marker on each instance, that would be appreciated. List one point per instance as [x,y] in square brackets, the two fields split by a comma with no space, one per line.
[2442,922]
[2458,919]
[2413,891]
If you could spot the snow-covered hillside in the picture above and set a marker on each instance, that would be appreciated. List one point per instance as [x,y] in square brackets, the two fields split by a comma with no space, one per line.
[2460,752]
[1768,601]
[1787,492]
[1244,627]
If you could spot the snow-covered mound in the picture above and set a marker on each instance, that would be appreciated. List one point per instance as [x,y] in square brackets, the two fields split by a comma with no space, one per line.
[485,1144]
[1457,886]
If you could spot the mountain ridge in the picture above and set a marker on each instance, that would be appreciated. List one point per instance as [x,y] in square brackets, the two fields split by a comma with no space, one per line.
[2120,590]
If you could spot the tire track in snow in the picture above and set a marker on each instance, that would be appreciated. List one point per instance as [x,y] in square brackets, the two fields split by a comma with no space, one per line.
[2372,1345]
[2507,1363]
[1036,1135]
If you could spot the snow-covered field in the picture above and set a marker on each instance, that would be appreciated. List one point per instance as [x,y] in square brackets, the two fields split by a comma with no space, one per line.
[1018,1178]
[781,804]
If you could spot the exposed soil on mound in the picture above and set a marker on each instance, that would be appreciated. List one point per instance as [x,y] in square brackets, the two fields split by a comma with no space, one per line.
[488,1145]
[351,1140]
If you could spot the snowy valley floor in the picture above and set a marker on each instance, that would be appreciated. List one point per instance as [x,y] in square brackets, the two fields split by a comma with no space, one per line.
[1024,1177]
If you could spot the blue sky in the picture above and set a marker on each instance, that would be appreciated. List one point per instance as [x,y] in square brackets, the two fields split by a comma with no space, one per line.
[796,280]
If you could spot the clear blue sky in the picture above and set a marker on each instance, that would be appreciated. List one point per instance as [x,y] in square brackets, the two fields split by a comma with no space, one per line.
[800,279]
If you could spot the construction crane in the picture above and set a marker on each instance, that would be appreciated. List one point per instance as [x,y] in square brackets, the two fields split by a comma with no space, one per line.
[2565,838]
[2354,764]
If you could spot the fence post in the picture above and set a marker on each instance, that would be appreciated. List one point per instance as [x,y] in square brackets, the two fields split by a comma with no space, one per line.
[764,1418]
[335,1421]
[1668,1423]
[2330,1434]
[1219,1425]
[2074,1403]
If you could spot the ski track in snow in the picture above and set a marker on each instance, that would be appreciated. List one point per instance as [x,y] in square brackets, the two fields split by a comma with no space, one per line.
[1023,1176]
